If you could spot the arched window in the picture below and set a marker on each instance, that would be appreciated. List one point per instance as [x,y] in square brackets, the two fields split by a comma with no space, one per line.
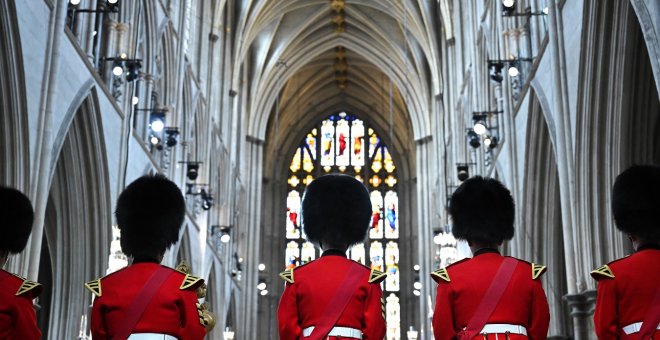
[342,143]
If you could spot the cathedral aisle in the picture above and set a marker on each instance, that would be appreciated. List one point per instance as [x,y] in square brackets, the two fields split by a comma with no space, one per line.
[243,104]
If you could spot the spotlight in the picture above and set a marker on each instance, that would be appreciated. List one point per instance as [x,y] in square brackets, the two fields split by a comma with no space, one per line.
[135,100]
[496,72]
[416,292]
[262,267]
[264,292]
[112,2]
[171,134]
[117,68]
[491,142]
[75,2]
[474,139]
[133,67]
[508,7]
[123,56]
[437,239]
[225,237]
[157,121]
[416,267]
[513,71]
[261,285]
[480,127]
[154,140]
[463,172]
[193,171]
[546,10]
[207,200]
[417,285]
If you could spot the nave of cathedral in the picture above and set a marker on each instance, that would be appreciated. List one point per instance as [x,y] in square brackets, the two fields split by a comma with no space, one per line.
[243,103]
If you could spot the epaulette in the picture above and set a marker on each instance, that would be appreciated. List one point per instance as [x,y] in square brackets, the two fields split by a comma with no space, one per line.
[376,276]
[441,274]
[287,275]
[538,270]
[94,286]
[190,281]
[603,272]
[29,286]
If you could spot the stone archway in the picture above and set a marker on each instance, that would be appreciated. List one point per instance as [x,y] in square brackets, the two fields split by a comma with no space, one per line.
[77,230]
[540,232]
[14,131]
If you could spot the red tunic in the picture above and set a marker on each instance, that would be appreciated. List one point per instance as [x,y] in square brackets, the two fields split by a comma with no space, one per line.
[173,309]
[462,285]
[311,287]
[626,288]
[17,317]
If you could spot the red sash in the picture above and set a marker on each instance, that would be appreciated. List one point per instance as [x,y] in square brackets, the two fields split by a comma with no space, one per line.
[136,309]
[490,300]
[652,318]
[339,302]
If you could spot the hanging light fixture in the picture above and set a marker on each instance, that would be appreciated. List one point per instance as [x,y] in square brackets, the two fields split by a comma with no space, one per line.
[474,139]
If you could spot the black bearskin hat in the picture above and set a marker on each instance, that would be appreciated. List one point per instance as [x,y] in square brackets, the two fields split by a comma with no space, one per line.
[17,217]
[482,211]
[636,202]
[149,214]
[336,210]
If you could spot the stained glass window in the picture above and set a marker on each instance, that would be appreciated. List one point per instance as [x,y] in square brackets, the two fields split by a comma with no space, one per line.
[342,143]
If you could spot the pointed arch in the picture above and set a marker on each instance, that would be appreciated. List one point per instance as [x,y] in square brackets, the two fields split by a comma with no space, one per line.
[540,233]
[78,216]
[14,131]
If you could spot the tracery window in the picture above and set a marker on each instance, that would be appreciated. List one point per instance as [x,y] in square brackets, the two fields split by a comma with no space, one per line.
[342,143]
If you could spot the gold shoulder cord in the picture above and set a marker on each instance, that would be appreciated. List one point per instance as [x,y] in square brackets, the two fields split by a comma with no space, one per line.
[206,317]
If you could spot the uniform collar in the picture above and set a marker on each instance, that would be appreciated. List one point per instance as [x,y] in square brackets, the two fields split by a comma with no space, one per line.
[334,252]
[485,251]
[145,259]
[648,246]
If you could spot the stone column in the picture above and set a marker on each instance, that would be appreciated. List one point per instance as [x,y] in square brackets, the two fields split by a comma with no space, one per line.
[582,307]
[252,238]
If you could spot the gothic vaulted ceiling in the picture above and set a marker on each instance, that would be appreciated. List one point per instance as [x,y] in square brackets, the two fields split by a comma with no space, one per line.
[307,59]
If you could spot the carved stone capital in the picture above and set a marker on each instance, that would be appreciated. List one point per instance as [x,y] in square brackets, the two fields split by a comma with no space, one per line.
[582,304]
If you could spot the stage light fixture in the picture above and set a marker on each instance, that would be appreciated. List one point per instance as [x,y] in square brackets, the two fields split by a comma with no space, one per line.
[491,142]
[545,10]
[474,139]
[117,68]
[264,292]
[262,267]
[508,6]
[416,267]
[480,127]
[193,171]
[171,135]
[133,69]
[157,122]
[496,72]
[207,200]
[154,140]
[75,2]
[112,2]
[225,236]
[416,292]
[513,71]
[462,171]
[417,285]
[261,285]
[135,100]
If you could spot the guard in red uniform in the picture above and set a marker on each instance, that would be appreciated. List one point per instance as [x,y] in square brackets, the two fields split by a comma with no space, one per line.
[145,300]
[628,302]
[489,296]
[17,316]
[333,297]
